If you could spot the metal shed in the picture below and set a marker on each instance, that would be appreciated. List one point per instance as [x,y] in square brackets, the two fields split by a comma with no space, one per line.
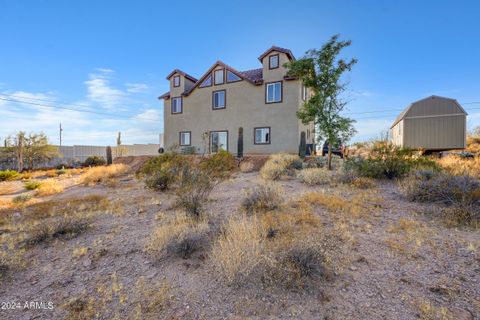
[434,123]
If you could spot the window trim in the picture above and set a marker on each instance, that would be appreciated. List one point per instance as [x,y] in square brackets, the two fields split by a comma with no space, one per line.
[226,76]
[269,135]
[174,78]
[211,81]
[215,77]
[210,139]
[266,92]
[224,102]
[270,61]
[189,138]
[171,105]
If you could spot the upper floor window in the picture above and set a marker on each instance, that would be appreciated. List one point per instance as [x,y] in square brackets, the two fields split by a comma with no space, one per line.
[185,138]
[176,81]
[273,61]
[218,77]
[273,92]
[207,82]
[219,99]
[232,77]
[304,93]
[262,135]
[177,105]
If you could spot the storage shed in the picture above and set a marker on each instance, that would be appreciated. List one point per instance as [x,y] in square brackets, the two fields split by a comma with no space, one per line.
[434,123]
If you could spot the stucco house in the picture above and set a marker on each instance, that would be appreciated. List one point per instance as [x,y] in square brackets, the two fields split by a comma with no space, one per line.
[434,123]
[206,114]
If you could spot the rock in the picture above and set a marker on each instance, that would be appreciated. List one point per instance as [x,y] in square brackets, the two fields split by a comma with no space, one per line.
[461,314]
[353,268]
[87,262]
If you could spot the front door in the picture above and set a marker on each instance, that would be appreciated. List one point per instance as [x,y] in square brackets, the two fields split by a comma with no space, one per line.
[218,141]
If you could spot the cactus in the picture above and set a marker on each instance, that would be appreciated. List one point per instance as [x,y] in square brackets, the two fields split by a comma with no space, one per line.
[302,149]
[109,155]
[240,143]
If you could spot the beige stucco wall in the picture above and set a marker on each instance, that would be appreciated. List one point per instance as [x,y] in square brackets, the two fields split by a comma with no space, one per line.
[245,107]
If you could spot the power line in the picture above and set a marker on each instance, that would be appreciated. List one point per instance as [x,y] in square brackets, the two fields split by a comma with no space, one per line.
[44,100]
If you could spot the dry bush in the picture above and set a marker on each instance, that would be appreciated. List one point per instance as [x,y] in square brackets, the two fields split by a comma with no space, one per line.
[316,176]
[363,183]
[21,199]
[193,189]
[219,165]
[460,193]
[264,197]
[49,187]
[460,166]
[103,174]
[32,184]
[429,311]
[280,165]
[180,236]
[247,166]
[66,227]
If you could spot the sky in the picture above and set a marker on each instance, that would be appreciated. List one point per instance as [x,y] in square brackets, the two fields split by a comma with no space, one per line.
[110,58]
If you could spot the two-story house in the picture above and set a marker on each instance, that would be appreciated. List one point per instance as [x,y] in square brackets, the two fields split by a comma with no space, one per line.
[206,114]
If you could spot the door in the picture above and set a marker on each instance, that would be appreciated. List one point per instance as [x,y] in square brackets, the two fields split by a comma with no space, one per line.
[218,141]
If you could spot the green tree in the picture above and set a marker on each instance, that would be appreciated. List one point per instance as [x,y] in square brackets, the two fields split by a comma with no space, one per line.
[321,72]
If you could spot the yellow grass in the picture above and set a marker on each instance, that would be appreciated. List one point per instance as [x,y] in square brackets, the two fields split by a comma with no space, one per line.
[103,174]
[461,166]
[7,188]
[49,187]
[280,165]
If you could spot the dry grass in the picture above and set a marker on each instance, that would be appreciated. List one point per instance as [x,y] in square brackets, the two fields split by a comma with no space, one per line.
[49,187]
[7,188]
[179,236]
[66,227]
[429,311]
[316,176]
[247,166]
[408,236]
[363,183]
[461,166]
[279,166]
[103,174]
[262,198]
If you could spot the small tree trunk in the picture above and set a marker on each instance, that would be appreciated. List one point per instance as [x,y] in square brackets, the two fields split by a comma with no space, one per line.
[109,155]
[240,143]
[302,148]
[329,155]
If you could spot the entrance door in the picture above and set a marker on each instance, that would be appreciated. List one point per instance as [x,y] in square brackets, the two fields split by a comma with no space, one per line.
[218,141]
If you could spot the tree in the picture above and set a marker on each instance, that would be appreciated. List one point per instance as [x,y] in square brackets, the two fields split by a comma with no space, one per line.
[321,71]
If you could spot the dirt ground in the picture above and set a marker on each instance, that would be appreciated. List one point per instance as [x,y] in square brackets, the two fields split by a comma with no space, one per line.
[430,272]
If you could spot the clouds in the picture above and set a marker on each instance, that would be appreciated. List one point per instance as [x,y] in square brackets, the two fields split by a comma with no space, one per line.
[101,92]
[137,87]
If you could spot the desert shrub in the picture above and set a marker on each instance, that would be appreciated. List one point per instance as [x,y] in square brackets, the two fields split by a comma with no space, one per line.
[32,184]
[220,164]
[247,166]
[461,166]
[193,189]
[161,172]
[93,161]
[66,227]
[460,193]
[21,198]
[264,197]
[61,171]
[49,187]
[279,165]
[180,236]
[103,174]
[363,183]
[315,162]
[316,176]
[6,175]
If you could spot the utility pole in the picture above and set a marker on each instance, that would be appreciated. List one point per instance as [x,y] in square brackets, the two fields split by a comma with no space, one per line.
[61,134]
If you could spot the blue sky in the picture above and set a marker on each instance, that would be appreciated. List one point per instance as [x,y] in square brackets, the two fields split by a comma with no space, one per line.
[111,57]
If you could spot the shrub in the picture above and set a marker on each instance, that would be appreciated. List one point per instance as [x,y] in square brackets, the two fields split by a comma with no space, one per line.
[279,165]
[161,172]
[93,161]
[6,175]
[66,227]
[22,198]
[363,183]
[219,165]
[103,174]
[247,166]
[460,193]
[32,184]
[264,197]
[180,237]
[49,187]
[461,166]
[315,176]
[193,189]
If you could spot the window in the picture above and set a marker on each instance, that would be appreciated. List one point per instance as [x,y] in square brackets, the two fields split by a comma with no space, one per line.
[177,105]
[218,76]
[218,141]
[207,82]
[218,99]
[304,93]
[273,61]
[232,77]
[262,135]
[185,138]
[273,92]
[176,81]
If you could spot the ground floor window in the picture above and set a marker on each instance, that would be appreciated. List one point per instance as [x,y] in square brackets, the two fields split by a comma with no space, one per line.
[262,135]
[218,141]
[185,138]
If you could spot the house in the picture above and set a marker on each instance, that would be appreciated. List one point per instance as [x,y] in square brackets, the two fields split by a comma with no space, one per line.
[434,123]
[206,114]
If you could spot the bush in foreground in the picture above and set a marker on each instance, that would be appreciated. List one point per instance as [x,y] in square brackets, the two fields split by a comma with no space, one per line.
[264,197]
[66,227]
[280,165]
[6,175]
[316,176]
[32,184]
[103,174]
[219,165]
[49,187]
[161,172]
[461,166]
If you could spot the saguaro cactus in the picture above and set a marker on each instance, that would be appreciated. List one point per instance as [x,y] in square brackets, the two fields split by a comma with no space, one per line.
[109,155]
[240,143]
[302,149]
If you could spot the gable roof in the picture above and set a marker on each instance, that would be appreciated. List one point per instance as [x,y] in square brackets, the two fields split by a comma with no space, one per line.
[275,48]
[405,111]
[186,75]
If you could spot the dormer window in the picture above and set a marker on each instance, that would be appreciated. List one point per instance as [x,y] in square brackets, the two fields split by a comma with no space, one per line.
[176,81]
[219,76]
[232,77]
[273,61]
[207,82]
